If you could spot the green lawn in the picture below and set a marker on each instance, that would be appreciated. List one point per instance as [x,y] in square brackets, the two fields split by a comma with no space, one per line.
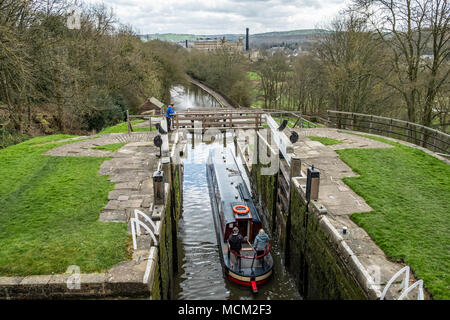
[409,191]
[49,209]
[253,76]
[123,127]
[110,147]
[325,141]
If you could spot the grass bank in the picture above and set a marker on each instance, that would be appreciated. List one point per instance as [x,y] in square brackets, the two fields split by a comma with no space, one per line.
[409,191]
[325,141]
[49,209]
[123,127]
[110,147]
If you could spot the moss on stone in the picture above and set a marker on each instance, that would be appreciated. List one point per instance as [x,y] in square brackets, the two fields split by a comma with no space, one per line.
[328,276]
[156,287]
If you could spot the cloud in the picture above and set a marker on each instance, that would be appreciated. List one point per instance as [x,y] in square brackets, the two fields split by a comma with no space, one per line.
[223,16]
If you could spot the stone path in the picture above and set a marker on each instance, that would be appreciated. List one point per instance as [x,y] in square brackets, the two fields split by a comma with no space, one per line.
[131,168]
[334,194]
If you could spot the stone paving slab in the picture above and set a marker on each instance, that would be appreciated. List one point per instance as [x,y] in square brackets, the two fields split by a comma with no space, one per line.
[338,198]
[113,216]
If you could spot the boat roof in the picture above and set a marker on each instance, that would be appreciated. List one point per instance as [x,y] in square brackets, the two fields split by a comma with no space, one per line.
[230,185]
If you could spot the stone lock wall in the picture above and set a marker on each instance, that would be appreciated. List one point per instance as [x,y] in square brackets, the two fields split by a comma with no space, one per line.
[264,186]
[318,265]
[312,257]
[163,282]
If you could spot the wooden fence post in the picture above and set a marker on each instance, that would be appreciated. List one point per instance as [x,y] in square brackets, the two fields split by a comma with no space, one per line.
[128,122]
[423,137]
[406,132]
[390,128]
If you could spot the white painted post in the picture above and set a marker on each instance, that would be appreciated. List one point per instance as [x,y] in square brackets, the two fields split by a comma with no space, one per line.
[133,233]
[165,139]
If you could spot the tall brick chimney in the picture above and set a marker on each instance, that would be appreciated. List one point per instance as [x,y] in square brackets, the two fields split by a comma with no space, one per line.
[246,40]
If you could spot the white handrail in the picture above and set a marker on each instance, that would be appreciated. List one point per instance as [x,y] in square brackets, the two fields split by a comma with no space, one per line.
[405,284]
[394,277]
[420,293]
[133,232]
[136,216]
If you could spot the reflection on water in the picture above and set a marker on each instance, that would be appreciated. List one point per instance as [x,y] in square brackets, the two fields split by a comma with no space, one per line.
[191,97]
[200,271]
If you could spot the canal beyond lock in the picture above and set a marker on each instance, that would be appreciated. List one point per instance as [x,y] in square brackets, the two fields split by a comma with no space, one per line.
[200,275]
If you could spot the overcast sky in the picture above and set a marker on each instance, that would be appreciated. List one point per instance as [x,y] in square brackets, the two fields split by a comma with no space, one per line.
[223,16]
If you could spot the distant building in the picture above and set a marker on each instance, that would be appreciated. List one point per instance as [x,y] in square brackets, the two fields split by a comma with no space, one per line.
[209,44]
[254,55]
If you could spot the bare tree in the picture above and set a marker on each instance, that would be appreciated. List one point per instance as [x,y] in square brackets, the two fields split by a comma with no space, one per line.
[351,58]
[417,35]
[273,71]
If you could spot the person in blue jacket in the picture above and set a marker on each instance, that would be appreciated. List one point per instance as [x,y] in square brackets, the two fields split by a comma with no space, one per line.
[169,115]
[260,244]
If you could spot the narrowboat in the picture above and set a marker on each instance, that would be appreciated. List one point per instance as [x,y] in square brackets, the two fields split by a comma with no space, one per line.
[232,206]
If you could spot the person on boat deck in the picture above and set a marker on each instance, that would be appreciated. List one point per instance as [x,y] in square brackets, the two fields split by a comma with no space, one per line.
[260,244]
[169,115]
[235,242]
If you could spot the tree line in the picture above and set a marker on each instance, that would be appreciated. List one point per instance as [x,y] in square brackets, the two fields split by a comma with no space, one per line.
[223,70]
[74,68]
[381,57]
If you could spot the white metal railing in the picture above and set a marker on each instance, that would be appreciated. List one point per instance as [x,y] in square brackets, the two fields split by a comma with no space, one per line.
[136,224]
[405,284]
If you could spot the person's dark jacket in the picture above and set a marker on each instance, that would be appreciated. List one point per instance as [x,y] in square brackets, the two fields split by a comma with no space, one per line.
[235,241]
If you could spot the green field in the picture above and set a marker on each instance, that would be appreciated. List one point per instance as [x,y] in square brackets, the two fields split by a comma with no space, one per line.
[49,210]
[253,76]
[409,191]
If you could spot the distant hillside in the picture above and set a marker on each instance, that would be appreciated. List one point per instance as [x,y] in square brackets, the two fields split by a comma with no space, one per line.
[266,39]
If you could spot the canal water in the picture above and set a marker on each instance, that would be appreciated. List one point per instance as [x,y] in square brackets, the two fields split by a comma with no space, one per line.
[200,275]
[192,97]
